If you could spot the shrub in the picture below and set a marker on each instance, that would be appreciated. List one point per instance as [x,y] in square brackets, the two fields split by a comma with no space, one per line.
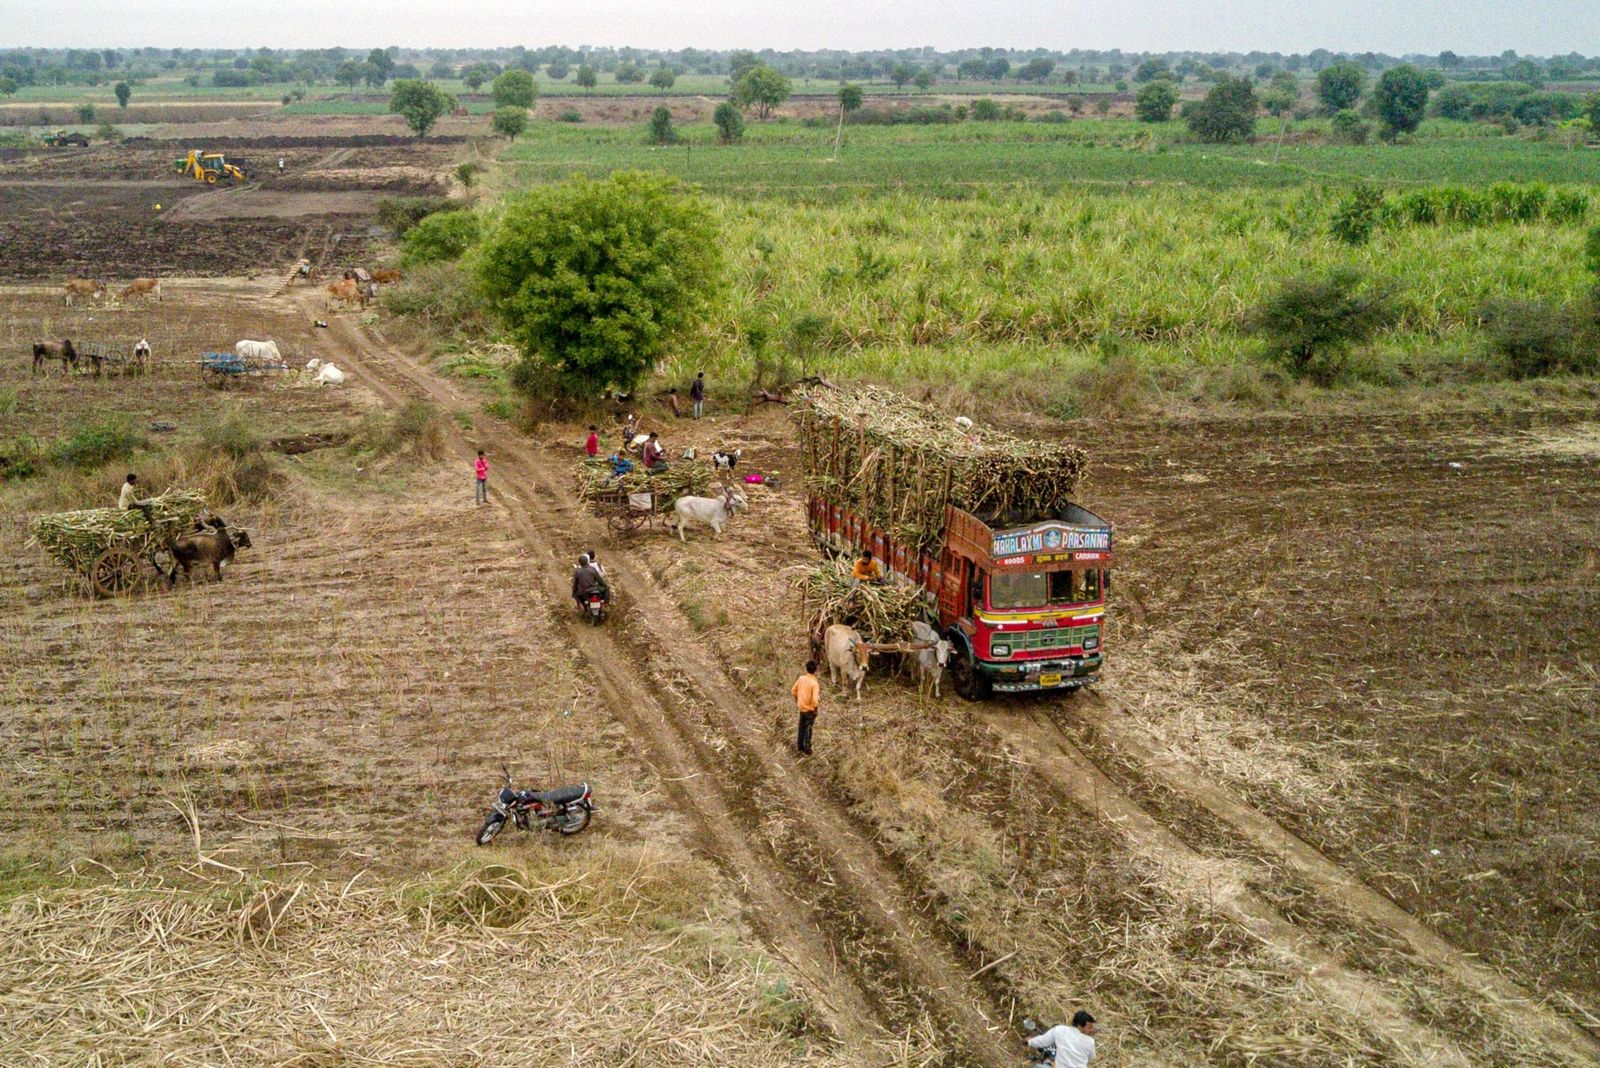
[230,463]
[570,115]
[440,299]
[1535,339]
[399,214]
[730,122]
[984,109]
[1155,101]
[1228,112]
[1357,215]
[1349,129]
[414,429]
[1591,252]
[94,444]
[595,278]
[661,130]
[20,458]
[441,237]
[1310,324]
[509,122]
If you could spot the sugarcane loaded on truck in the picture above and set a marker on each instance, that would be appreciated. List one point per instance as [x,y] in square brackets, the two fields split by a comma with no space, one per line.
[1014,572]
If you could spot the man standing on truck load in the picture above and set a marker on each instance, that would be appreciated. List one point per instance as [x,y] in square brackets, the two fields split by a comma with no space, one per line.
[867,569]
[806,690]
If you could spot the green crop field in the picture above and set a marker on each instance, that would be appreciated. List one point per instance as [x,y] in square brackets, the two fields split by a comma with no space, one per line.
[1010,255]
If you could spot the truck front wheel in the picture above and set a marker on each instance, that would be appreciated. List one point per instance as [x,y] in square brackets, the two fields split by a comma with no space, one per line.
[970,683]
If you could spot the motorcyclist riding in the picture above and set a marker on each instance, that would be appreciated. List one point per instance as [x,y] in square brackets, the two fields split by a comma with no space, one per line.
[1073,1046]
[586,582]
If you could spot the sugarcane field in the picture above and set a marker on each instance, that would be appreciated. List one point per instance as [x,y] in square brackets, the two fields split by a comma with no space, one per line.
[1085,551]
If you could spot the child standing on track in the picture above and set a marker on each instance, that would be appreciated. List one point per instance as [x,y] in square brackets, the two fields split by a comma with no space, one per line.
[480,470]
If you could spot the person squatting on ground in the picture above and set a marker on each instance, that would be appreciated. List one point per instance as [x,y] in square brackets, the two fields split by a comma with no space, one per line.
[866,569]
[806,691]
[480,471]
[655,457]
[1073,1046]
[697,393]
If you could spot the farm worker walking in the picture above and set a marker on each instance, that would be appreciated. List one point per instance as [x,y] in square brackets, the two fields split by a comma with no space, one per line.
[1074,1045]
[481,471]
[591,444]
[866,569]
[806,691]
[697,393]
[280,164]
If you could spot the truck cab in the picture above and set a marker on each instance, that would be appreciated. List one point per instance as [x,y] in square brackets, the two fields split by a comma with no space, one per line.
[1024,605]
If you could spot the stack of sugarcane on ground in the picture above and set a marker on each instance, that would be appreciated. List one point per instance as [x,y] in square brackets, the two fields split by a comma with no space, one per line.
[880,611]
[897,463]
[75,539]
[687,479]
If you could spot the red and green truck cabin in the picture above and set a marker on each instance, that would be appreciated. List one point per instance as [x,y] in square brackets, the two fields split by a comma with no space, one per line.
[1023,606]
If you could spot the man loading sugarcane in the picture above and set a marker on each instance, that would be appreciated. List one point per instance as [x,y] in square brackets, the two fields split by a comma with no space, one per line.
[867,569]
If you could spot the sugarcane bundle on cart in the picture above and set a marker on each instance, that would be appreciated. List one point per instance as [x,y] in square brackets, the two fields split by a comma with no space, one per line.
[882,612]
[105,546]
[637,498]
[898,463]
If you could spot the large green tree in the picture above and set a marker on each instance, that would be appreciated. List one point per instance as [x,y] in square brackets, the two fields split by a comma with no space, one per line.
[1402,99]
[509,122]
[420,103]
[762,88]
[514,89]
[1340,86]
[124,92]
[1228,113]
[594,279]
[1155,101]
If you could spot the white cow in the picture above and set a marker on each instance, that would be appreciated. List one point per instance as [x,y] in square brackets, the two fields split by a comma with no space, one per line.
[712,511]
[847,655]
[329,375]
[313,363]
[265,351]
[930,662]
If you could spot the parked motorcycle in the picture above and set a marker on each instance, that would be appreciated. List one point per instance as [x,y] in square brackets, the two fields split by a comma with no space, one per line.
[566,810]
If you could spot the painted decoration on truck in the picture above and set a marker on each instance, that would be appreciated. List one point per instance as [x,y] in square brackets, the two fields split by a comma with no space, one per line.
[1056,536]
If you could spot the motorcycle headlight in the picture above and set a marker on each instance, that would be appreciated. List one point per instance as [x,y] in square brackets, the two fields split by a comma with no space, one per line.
[1000,650]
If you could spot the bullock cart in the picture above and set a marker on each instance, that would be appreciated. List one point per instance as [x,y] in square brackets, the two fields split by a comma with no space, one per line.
[628,512]
[223,368]
[115,358]
[105,547]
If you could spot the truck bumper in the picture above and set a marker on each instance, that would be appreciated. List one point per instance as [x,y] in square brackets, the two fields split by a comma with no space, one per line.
[1063,675]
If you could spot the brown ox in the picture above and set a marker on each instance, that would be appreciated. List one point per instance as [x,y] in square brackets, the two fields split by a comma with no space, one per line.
[84,287]
[54,350]
[142,287]
[386,276]
[345,291]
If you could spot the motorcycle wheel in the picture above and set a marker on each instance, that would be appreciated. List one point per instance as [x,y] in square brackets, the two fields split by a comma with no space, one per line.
[490,828]
[574,821]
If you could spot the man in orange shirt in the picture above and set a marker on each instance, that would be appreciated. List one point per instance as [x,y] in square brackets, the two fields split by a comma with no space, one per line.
[806,690]
[867,569]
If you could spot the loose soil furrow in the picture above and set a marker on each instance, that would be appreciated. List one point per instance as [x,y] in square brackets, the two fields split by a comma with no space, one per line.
[1503,997]
[1077,780]
[915,963]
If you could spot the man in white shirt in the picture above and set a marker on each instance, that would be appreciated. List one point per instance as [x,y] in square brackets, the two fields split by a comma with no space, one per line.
[1074,1045]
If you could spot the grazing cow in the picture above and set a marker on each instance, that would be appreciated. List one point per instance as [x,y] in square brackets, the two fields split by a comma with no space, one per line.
[386,276]
[142,287]
[215,547]
[141,356]
[84,287]
[263,351]
[345,291]
[712,511]
[847,655]
[54,350]
[726,461]
[930,662]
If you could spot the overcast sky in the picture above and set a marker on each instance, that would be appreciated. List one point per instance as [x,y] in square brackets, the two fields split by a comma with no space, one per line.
[1538,27]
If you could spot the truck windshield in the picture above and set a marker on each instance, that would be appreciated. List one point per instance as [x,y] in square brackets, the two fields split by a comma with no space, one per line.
[1036,589]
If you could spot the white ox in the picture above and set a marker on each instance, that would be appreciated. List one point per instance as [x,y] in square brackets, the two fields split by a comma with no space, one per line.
[930,662]
[329,375]
[264,351]
[714,512]
[847,655]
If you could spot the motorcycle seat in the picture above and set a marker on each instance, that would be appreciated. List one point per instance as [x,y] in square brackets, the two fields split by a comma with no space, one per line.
[563,796]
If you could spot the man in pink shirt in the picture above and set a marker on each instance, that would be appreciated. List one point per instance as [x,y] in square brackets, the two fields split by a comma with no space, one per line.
[481,471]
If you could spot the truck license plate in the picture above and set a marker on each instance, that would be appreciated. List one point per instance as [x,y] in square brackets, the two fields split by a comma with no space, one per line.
[1052,679]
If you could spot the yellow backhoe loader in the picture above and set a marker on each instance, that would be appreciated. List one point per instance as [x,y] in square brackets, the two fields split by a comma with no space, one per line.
[208,167]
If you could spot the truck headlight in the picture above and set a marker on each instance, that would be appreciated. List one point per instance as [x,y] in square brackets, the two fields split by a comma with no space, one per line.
[1091,643]
[1000,650]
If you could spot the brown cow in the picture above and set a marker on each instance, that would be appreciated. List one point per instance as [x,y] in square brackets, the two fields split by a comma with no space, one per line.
[84,287]
[52,350]
[345,291]
[386,276]
[142,287]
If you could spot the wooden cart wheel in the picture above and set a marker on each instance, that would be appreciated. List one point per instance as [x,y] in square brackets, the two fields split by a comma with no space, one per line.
[622,521]
[114,571]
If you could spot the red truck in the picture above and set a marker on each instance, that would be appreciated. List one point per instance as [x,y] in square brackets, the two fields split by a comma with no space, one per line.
[1020,592]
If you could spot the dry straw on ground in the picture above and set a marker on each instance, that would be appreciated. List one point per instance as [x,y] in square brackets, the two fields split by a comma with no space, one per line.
[897,463]
[611,960]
